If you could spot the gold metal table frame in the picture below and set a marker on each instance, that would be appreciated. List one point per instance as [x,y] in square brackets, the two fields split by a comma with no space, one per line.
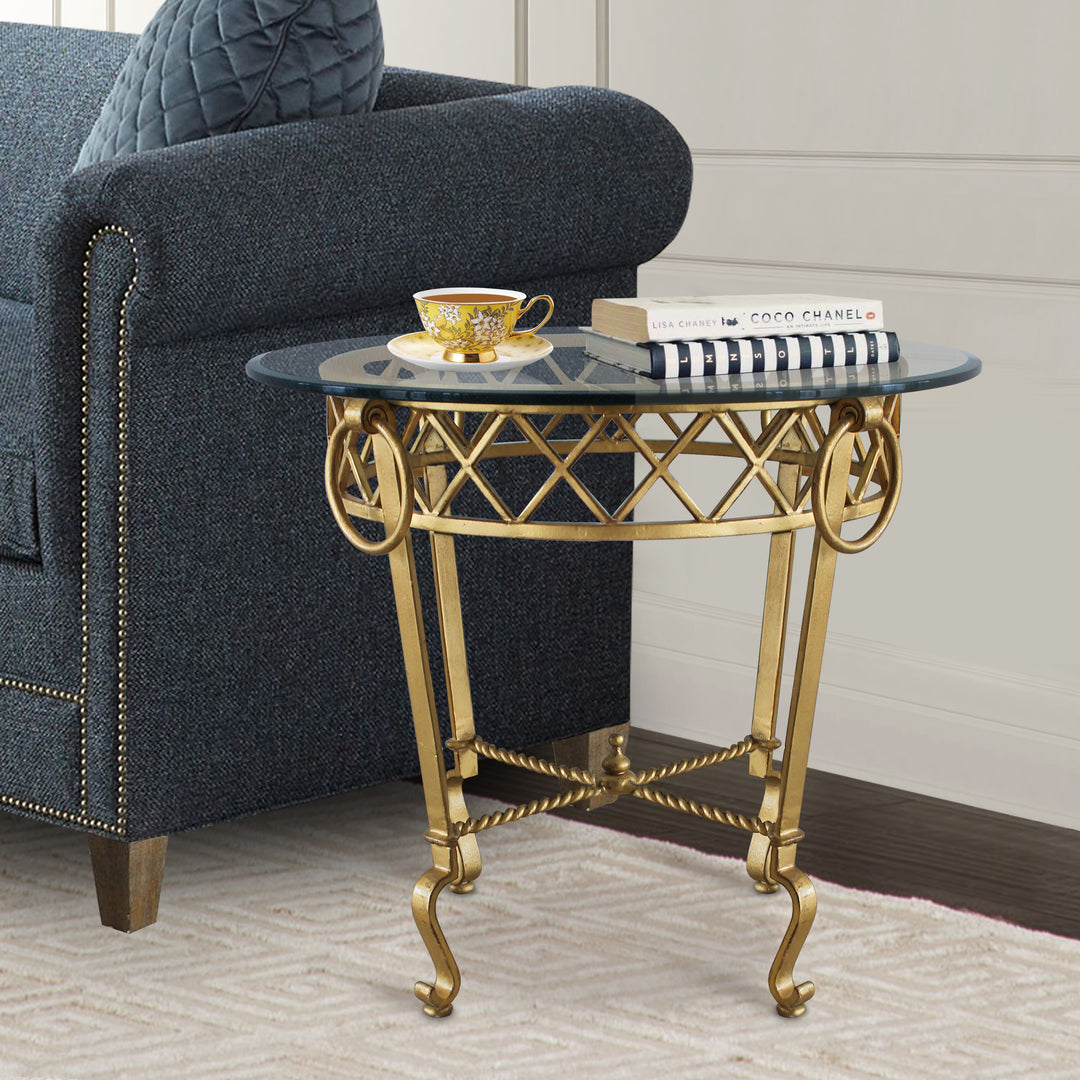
[822,463]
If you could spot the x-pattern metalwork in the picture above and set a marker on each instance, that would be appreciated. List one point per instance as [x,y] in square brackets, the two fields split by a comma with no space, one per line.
[463,442]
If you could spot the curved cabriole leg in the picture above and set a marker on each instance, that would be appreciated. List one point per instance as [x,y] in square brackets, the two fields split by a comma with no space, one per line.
[455,665]
[791,997]
[774,621]
[438,996]
[441,789]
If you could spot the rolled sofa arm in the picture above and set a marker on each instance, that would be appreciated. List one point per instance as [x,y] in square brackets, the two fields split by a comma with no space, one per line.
[272,226]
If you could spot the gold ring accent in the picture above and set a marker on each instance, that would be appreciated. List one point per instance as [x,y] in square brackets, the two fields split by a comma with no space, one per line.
[374,419]
[853,418]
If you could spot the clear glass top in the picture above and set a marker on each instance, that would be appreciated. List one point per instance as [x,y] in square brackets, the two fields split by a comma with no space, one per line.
[364,368]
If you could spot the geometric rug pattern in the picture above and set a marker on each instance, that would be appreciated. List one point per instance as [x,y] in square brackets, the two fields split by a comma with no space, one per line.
[285,950]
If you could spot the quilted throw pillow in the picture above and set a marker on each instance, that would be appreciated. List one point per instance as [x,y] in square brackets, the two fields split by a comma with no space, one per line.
[206,67]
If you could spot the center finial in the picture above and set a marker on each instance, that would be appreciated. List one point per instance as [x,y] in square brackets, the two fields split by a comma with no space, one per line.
[617,775]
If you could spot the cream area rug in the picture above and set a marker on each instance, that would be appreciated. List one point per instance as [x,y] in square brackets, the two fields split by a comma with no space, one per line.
[285,948]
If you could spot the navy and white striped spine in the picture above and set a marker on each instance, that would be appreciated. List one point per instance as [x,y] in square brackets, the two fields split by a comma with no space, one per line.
[744,356]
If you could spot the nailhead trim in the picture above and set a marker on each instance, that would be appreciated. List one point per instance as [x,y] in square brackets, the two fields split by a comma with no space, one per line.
[80,699]
[62,815]
[84,517]
[44,691]
[121,539]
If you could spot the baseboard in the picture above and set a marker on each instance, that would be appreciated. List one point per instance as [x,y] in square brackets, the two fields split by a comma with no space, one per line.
[980,737]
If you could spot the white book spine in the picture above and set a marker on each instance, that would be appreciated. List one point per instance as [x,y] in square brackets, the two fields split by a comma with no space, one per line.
[682,326]
[703,318]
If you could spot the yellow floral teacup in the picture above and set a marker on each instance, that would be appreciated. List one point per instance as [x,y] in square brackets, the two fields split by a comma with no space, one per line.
[469,323]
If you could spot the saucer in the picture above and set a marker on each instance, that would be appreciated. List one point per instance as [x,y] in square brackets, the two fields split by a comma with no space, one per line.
[421,349]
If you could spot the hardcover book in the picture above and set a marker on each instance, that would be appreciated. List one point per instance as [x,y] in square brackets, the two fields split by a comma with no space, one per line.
[687,318]
[742,356]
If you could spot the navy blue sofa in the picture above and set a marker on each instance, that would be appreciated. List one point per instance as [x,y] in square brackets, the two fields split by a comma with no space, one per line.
[185,637]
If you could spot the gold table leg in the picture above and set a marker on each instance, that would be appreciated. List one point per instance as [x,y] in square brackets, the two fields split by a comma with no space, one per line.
[770,667]
[459,696]
[446,869]
[791,997]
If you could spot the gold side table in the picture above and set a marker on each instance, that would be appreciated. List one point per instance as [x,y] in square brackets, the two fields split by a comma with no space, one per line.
[820,447]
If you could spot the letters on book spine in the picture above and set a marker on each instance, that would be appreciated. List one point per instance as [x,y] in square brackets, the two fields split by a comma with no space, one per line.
[685,318]
[743,356]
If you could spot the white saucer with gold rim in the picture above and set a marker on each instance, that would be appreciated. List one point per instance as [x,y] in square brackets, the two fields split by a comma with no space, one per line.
[421,348]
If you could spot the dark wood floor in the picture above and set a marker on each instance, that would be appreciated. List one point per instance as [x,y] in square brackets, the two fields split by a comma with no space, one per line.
[857,834]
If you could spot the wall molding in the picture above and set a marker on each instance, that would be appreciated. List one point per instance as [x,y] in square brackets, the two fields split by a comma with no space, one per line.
[521,42]
[832,158]
[1000,740]
[934,278]
[1006,683]
[603,43]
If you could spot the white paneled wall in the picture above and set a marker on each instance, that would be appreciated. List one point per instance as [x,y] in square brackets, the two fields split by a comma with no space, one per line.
[129,16]
[561,43]
[133,15]
[465,37]
[923,151]
[29,11]
[925,175]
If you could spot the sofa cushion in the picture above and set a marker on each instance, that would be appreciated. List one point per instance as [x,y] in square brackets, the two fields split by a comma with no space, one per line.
[18,527]
[207,67]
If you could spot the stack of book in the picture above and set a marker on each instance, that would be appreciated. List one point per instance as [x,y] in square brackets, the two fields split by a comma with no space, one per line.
[676,337]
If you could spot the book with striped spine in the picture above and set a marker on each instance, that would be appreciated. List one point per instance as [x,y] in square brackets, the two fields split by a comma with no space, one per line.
[742,356]
[695,318]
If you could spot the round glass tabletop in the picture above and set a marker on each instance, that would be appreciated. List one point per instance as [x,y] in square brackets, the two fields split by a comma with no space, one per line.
[365,368]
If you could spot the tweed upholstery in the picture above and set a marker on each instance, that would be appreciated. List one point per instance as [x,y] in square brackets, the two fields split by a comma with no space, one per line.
[192,600]
[374,205]
[18,529]
[52,84]
[207,67]
[404,88]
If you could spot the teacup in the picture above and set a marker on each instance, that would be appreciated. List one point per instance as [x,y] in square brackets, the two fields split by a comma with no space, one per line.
[469,323]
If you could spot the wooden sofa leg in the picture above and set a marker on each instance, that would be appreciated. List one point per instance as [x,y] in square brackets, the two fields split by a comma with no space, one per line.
[128,880]
[587,752]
